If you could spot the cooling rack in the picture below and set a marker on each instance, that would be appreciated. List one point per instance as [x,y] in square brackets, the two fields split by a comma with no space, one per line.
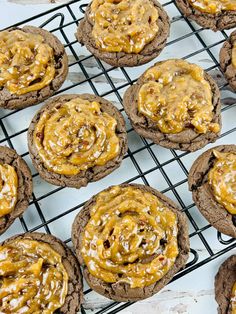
[53,209]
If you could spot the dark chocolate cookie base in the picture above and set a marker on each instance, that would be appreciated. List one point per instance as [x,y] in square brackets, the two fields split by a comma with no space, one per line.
[75,287]
[187,140]
[224,281]
[121,291]
[226,61]
[12,101]
[203,195]
[25,186]
[121,59]
[218,22]
[92,174]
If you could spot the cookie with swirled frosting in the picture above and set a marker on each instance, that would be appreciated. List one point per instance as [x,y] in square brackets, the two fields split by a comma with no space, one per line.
[130,240]
[125,32]
[176,104]
[77,139]
[214,14]
[212,183]
[39,274]
[33,65]
[15,187]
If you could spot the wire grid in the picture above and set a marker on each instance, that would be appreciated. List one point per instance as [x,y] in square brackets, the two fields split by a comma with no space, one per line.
[196,231]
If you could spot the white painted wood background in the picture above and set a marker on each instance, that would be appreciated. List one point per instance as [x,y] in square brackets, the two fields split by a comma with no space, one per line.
[192,294]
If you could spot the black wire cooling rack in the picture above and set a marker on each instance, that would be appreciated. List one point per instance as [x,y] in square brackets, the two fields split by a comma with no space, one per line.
[207,44]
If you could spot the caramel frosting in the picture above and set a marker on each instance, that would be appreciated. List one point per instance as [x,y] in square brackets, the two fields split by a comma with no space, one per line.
[131,237]
[233,300]
[222,179]
[26,61]
[74,136]
[123,25]
[8,189]
[176,96]
[213,6]
[234,55]
[32,278]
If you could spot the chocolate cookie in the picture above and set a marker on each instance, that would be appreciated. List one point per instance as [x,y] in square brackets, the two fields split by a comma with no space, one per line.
[216,22]
[58,73]
[224,282]
[226,54]
[203,194]
[75,142]
[188,139]
[74,290]
[24,186]
[150,51]
[122,289]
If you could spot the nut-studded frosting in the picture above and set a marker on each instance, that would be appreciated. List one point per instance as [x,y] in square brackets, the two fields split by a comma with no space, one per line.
[234,55]
[131,237]
[123,25]
[222,179]
[8,189]
[32,278]
[26,61]
[176,96]
[233,300]
[213,6]
[75,136]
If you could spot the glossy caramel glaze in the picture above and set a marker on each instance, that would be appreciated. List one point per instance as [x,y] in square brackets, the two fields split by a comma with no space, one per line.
[75,136]
[123,25]
[26,62]
[222,179]
[213,6]
[32,278]
[8,189]
[233,300]
[131,237]
[176,96]
[234,55]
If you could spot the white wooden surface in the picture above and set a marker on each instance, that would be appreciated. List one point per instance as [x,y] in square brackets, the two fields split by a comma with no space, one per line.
[191,294]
